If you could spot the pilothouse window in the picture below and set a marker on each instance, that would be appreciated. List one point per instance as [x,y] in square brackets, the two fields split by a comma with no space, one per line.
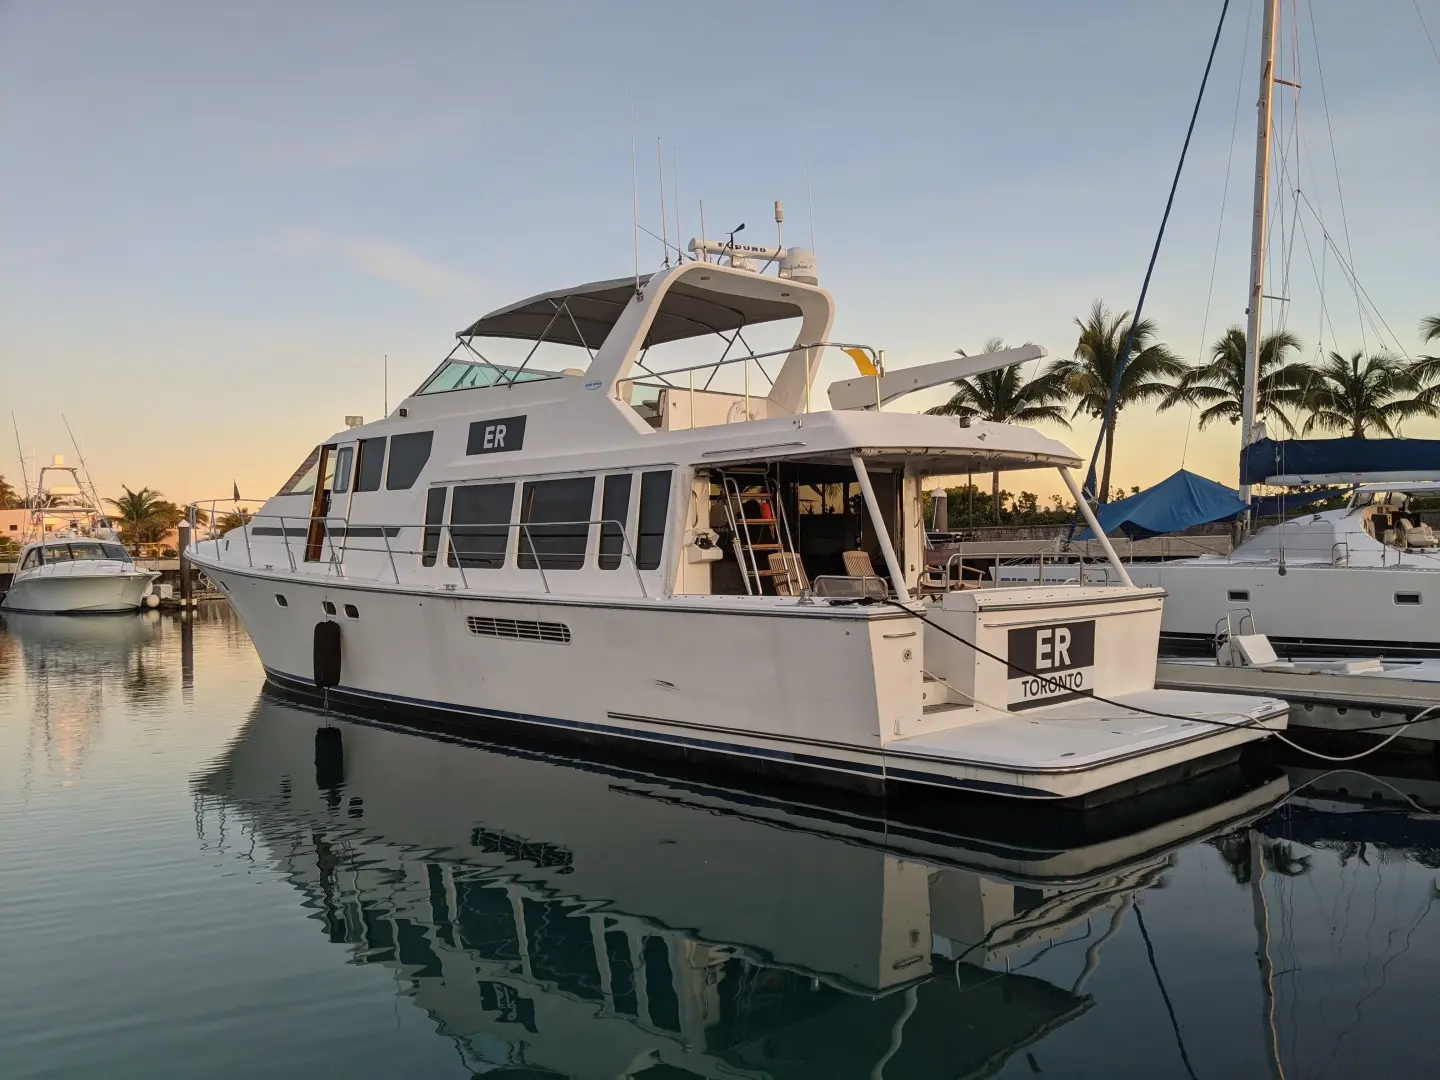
[614,516]
[372,465]
[654,510]
[342,469]
[557,515]
[302,482]
[408,455]
[479,525]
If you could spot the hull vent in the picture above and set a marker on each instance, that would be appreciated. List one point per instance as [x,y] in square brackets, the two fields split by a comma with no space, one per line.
[518,629]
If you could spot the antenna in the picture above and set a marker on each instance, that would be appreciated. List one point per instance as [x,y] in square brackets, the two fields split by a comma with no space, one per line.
[20,450]
[810,199]
[664,221]
[94,495]
[779,224]
[385,379]
[675,173]
[702,230]
[730,244]
[634,199]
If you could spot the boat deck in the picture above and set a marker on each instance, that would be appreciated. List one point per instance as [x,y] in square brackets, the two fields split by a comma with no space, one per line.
[1078,747]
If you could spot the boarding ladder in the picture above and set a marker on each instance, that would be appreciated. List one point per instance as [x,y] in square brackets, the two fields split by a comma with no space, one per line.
[759,529]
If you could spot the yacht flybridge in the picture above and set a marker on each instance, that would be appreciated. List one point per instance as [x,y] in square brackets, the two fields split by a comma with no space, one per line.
[691,558]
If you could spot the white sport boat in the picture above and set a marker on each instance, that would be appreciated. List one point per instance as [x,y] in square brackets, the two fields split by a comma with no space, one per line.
[658,557]
[71,562]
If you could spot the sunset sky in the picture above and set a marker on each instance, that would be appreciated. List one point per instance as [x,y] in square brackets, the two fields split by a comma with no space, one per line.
[217,219]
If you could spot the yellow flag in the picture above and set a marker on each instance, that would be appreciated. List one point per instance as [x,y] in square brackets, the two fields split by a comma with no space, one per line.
[862,361]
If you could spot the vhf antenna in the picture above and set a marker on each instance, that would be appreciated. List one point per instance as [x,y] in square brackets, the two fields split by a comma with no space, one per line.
[634,199]
[675,179]
[664,219]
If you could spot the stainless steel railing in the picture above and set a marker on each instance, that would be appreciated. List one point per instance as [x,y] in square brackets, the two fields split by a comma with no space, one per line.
[334,553]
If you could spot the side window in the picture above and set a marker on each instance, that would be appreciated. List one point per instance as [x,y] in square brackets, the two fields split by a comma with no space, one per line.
[32,559]
[434,517]
[302,482]
[654,510]
[614,515]
[479,525]
[342,469]
[558,515]
[408,455]
[372,464]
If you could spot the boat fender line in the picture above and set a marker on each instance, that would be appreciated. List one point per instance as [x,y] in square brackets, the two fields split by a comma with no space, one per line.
[327,654]
[1417,718]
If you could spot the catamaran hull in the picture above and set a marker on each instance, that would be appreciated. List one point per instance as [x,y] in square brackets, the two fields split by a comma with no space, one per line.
[802,696]
[78,594]
[1332,610]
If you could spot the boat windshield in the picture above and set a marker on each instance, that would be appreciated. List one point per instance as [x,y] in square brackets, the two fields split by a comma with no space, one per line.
[83,551]
[472,374]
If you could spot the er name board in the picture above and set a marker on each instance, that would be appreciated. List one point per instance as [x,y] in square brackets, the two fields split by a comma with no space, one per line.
[502,435]
[1050,664]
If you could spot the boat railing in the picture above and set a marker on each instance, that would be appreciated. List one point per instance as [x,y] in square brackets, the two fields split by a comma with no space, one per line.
[688,385]
[338,537]
[954,565]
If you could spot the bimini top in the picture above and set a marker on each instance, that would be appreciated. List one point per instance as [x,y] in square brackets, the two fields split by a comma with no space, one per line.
[585,315]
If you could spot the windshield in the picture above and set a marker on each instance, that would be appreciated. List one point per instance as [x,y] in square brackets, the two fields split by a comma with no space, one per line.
[84,550]
[469,375]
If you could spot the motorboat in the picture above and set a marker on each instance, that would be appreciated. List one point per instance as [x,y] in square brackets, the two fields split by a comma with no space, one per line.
[71,561]
[694,559]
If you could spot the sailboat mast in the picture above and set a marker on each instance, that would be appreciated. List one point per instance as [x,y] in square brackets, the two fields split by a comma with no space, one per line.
[1258,230]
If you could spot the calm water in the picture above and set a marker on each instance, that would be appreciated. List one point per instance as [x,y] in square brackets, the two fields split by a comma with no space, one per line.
[197,879]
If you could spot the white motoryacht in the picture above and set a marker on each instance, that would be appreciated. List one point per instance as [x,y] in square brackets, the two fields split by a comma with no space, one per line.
[71,562]
[635,552]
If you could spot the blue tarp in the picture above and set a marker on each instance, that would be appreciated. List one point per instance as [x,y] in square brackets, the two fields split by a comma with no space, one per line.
[1348,458]
[1176,503]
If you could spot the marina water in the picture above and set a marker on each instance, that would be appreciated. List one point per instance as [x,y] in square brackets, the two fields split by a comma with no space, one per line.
[199,878]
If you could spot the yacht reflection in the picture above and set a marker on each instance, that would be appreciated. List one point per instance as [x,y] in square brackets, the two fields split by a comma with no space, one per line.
[575,919]
[71,665]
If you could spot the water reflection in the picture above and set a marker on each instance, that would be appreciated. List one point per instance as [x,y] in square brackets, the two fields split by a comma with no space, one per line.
[74,666]
[574,920]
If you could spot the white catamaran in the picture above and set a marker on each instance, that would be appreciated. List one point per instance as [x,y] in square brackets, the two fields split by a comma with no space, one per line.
[632,554]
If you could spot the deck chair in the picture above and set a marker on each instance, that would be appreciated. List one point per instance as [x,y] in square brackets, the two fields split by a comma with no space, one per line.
[858,564]
[788,573]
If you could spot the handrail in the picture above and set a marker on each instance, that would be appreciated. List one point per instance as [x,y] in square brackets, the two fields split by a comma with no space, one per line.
[445,549]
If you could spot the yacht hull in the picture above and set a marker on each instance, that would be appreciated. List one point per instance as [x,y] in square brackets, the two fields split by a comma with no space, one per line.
[803,695]
[77,593]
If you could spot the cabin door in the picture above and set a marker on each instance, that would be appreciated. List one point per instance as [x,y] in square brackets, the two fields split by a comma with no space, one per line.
[320,506]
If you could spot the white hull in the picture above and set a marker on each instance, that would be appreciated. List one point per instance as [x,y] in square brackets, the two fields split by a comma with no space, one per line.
[1330,608]
[799,693]
[77,589]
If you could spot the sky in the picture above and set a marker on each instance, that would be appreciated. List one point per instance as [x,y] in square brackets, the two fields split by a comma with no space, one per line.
[218,219]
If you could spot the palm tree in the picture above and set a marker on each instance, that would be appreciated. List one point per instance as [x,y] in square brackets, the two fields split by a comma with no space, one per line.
[1355,394]
[8,499]
[1218,387]
[140,514]
[1005,396]
[233,520]
[1428,367]
[1089,374]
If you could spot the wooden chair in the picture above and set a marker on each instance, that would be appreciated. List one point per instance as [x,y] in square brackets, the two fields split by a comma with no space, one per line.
[788,573]
[858,564]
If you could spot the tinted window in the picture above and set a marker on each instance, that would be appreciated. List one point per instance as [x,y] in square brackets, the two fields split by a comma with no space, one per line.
[472,508]
[408,455]
[342,468]
[372,465]
[614,515]
[303,480]
[434,515]
[654,509]
[115,551]
[32,559]
[558,515]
